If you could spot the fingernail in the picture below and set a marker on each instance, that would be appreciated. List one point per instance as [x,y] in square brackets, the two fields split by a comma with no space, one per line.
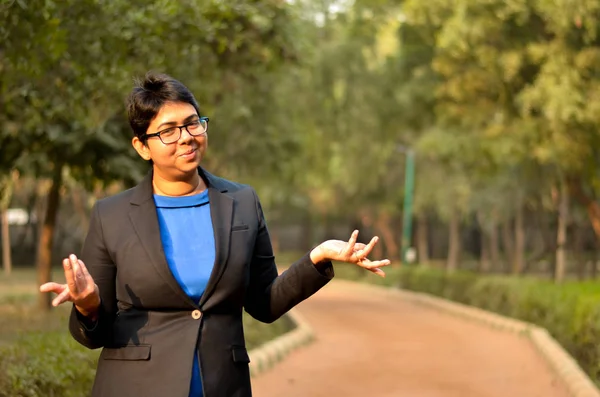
[73,257]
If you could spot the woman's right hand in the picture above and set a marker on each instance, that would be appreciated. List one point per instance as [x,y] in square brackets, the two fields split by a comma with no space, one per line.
[79,289]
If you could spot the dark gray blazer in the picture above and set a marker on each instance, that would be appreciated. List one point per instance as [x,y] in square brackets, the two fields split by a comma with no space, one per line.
[149,328]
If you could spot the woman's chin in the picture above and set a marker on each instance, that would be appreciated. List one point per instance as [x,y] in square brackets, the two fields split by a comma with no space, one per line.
[189,165]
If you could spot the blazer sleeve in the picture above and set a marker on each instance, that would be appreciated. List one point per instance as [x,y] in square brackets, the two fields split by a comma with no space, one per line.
[268,295]
[103,270]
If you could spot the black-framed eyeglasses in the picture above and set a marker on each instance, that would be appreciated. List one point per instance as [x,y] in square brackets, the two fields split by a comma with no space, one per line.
[172,134]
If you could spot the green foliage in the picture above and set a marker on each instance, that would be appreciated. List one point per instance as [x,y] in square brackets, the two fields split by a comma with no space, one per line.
[257,333]
[316,97]
[570,312]
[513,97]
[46,364]
[310,101]
[68,65]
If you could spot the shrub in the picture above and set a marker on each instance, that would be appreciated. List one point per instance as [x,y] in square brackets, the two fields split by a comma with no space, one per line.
[46,364]
[257,333]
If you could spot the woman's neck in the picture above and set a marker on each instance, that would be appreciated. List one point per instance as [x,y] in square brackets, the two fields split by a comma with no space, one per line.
[184,187]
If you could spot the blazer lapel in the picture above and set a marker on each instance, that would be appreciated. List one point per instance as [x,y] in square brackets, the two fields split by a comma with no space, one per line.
[145,222]
[221,213]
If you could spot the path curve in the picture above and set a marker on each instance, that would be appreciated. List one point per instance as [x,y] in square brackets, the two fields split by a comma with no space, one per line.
[374,345]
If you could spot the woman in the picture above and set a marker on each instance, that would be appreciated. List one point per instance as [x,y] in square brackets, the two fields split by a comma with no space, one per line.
[167,266]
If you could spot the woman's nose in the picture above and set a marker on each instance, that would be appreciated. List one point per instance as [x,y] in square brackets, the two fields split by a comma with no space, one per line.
[185,135]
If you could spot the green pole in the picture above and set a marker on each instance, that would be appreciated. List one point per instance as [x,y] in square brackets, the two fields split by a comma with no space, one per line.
[409,185]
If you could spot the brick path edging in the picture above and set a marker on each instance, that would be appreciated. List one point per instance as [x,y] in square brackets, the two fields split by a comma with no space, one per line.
[567,369]
[267,355]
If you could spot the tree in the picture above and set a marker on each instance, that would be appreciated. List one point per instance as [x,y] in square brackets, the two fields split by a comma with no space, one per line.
[63,100]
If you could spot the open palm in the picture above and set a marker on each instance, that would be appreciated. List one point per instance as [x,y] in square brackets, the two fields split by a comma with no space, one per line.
[352,252]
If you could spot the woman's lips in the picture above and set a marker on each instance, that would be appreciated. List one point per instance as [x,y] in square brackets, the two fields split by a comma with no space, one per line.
[189,154]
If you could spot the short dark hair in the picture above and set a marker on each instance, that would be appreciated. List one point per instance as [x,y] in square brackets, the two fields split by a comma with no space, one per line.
[150,94]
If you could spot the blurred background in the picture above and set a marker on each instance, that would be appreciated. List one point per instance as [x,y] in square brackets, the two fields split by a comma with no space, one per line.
[468,128]
[464,133]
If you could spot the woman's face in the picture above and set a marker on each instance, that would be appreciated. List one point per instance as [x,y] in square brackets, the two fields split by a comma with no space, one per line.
[181,158]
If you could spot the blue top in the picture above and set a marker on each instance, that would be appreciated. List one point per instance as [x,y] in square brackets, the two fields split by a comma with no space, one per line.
[188,241]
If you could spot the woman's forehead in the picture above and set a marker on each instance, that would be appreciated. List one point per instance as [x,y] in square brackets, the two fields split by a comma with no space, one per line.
[174,112]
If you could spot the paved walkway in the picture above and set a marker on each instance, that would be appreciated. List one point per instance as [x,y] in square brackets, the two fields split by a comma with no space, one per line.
[370,345]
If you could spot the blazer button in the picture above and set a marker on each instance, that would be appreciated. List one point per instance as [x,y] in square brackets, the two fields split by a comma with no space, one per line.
[196,314]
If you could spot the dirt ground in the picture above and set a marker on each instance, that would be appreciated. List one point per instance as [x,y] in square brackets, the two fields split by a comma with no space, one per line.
[372,345]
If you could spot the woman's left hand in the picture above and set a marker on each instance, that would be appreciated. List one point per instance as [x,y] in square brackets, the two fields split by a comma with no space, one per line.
[351,252]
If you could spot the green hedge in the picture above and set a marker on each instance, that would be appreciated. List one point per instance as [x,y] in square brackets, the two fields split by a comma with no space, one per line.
[46,364]
[570,311]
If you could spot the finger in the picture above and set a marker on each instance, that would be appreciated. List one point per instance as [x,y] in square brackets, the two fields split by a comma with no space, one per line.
[53,287]
[367,250]
[381,263]
[69,275]
[84,270]
[378,272]
[368,264]
[63,297]
[80,281]
[86,274]
[359,252]
[349,251]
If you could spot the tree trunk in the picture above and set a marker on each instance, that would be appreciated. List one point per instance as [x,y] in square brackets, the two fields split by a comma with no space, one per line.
[382,225]
[508,245]
[378,249]
[422,239]
[519,258]
[590,203]
[6,190]
[561,236]
[595,259]
[494,246]
[6,254]
[454,246]
[577,249]
[44,253]
[484,257]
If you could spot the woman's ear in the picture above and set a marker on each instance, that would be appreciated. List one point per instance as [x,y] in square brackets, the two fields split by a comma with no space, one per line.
[141,148]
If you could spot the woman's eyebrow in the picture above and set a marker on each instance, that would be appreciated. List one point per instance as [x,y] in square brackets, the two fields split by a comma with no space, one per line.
[191,117]
[188,118]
